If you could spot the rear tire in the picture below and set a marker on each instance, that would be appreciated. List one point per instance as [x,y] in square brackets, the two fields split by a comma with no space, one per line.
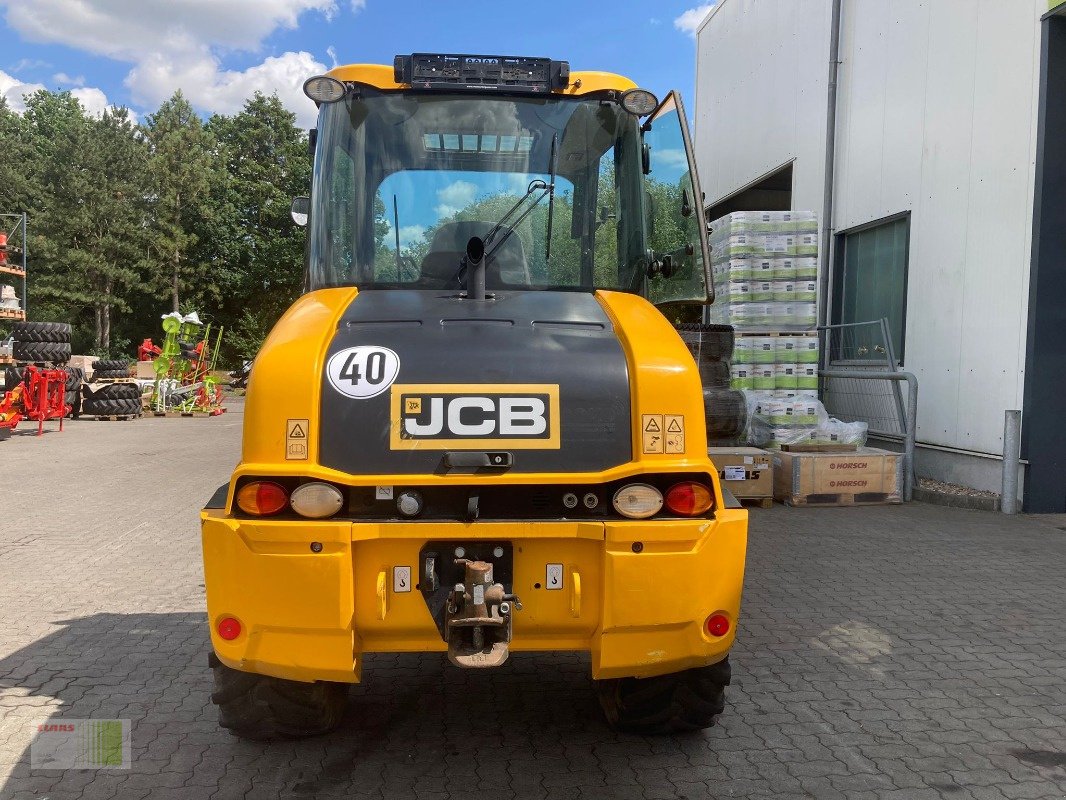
[708,342]
[726,414]
[681,701]
[261,707]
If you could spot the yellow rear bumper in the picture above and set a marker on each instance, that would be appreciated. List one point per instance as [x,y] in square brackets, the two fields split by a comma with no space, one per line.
[312,615]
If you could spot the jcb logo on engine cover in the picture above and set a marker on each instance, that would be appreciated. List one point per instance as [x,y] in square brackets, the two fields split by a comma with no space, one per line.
[470,417]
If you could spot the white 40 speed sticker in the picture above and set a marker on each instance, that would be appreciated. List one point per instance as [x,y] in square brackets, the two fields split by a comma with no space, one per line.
[363,372]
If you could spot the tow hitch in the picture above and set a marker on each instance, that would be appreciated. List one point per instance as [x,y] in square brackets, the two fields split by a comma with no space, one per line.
[478,624]
[469,596]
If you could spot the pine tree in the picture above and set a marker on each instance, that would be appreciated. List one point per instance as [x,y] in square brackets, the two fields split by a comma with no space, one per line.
[89,219]
[182,167]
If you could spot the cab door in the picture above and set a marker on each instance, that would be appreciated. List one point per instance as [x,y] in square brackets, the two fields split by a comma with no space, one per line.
[680,263]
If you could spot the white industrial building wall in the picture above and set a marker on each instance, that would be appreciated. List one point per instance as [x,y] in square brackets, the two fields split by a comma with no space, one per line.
[762,67]
[937,114]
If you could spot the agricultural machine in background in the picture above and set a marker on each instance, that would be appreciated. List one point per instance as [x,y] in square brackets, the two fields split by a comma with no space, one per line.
[184,366]
[39,396]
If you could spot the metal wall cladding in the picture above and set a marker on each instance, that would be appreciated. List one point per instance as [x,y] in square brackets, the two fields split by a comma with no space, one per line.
[936,117]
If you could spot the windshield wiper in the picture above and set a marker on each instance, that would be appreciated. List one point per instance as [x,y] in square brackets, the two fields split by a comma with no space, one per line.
[536,185]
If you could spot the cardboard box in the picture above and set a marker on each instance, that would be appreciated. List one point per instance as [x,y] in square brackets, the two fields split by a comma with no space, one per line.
[746,471]
[145,370]
[864,477]
[85,363]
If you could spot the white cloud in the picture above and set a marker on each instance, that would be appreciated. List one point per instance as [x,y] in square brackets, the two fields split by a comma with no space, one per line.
[689,21]
[331,51]
[15,91]
[671,159]
[92,100]
[29,63]
[409,235]
[179,44]
[133,30]
[455,197]
[202,80]
[67,80]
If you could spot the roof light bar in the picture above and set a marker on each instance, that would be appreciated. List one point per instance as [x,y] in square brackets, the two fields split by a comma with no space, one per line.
[482,73]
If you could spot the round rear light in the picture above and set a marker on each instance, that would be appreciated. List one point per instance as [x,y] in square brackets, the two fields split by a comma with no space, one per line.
[229,628]
[316,500]
[638,501]
[262,498]
[718,625]
[689,499]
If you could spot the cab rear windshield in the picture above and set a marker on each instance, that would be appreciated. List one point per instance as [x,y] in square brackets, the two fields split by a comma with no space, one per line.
[403,181]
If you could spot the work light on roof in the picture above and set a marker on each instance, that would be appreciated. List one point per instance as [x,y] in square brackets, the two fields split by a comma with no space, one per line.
[324,89]
[639,102]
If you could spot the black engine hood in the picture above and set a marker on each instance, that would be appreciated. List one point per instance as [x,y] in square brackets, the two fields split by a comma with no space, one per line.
[518,344]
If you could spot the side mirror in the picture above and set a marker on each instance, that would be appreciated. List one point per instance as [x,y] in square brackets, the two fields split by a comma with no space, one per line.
[301,210]
[645,158]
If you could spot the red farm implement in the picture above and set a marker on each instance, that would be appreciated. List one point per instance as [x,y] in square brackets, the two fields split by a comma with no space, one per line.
[38,397]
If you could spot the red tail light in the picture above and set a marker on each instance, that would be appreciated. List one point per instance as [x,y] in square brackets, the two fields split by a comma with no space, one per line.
[718,625]
[689,499]
[262,498]
[229,628]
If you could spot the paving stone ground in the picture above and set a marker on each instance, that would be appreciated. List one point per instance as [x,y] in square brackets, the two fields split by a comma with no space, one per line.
[887,652]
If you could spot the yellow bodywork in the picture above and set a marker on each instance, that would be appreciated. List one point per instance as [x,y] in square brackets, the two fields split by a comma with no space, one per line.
[311,616]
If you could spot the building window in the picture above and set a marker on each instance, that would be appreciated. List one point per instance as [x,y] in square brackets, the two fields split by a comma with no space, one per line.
[871,276]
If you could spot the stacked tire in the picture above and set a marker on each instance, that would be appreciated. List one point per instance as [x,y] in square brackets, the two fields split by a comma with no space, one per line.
[13,377]
[112,400]
[41,343]
[104,369]
[725,410]
[72,393]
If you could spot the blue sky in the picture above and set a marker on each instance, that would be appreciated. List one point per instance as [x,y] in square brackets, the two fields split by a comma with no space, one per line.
[137,52]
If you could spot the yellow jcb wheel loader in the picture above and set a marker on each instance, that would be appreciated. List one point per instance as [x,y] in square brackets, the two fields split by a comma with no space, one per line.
[476,432]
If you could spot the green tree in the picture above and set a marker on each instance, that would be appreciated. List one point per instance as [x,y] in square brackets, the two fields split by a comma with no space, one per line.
[255,251]
[183,168]
[90,217]
[18,166]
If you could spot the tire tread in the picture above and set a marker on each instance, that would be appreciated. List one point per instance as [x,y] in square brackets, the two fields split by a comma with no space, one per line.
[679,702]
[260,707]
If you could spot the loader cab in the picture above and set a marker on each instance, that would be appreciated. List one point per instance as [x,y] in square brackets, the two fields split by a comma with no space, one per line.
[573,182]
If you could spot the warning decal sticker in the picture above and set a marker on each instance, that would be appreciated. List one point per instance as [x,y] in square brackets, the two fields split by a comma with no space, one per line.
[296,434]
[662,433]
[652,433]
[675,433]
